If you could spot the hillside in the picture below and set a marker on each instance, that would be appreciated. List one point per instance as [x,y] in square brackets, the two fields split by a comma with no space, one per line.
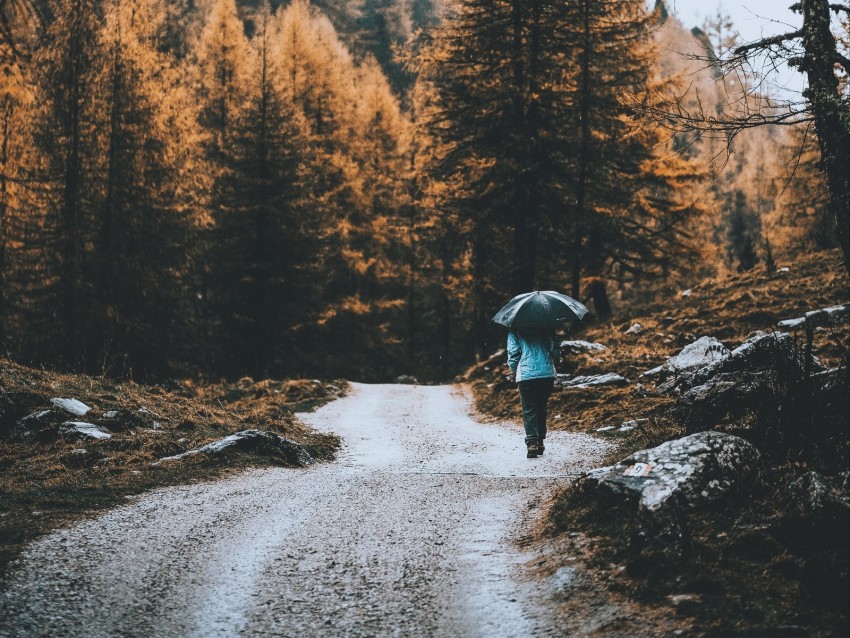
[730,309]
[51,473]
[772,558]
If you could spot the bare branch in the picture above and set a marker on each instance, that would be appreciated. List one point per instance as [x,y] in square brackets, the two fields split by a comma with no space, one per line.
[840,7]
[768,42]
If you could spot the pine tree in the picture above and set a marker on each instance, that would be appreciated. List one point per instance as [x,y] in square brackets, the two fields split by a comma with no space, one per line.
[14,100]
[497,113]
[260,244]
[140,234]
[66,138]
[743,230]
[542,150]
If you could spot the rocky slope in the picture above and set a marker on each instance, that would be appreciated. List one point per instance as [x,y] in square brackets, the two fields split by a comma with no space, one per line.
[733,506]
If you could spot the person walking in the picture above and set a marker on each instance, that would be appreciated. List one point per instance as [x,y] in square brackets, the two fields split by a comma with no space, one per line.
[531,318]
[531,357]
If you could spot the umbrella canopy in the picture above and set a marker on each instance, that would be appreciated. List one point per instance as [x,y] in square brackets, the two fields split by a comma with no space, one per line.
[539,309]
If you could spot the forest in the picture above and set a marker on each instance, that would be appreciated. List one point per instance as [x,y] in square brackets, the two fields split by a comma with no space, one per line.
[221,189]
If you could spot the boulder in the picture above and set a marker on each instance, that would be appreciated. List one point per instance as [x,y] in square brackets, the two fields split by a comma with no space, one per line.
[727,394]
[576,346]
[775,351]
[816,505]
[594,380]
[71,406]
[257,441]
[37,426]
[82,431]
[634,329]
[123,419]
[658,486]
[816,522]
[832,316]
[701,352]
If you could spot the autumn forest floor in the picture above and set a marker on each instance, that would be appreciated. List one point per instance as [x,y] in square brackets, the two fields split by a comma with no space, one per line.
[51,481]
[741,579]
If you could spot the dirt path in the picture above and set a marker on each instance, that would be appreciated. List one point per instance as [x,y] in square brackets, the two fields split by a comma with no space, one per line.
[411,532]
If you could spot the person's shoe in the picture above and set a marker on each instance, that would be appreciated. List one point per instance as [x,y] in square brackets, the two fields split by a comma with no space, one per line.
[540,448]
[533,451]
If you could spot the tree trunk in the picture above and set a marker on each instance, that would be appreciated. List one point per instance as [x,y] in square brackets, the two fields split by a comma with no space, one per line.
[8,109]
[479,328]
[72,178]
[831,120]
[576,281]
[532,136]
[584,148]
[599,295]
[518,202]
[100,330]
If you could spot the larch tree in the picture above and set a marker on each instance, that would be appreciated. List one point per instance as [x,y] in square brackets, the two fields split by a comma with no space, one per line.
[66,138]
[626,207]
[15,97]
[817,51]
[262,241]
[350,115]
[220,72]
[139,232]
[802,220]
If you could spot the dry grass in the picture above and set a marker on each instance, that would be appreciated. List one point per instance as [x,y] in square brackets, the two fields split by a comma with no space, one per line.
[47,482]
[741,578]
[729,309]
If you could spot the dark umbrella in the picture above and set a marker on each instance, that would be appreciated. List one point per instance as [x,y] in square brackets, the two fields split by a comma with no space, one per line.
[539,309]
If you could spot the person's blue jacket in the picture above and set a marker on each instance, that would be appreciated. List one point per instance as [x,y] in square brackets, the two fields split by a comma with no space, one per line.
[531,353]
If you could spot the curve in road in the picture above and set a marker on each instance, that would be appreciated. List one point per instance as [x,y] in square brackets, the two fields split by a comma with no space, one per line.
[410,532]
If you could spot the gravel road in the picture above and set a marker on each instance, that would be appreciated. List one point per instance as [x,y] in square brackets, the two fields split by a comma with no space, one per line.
[411,532]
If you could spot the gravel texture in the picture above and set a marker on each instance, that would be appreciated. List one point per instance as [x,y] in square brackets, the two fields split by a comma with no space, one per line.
[413,531]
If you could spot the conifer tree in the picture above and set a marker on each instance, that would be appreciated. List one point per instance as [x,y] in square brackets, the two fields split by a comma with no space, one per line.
[353,123]
[14,98]
[65,137]
[139,230]
[261,244]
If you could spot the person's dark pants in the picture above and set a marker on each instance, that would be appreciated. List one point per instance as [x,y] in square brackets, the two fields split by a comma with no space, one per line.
[534,395]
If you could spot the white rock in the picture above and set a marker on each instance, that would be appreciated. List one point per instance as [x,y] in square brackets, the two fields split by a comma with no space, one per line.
[630,425]
[701,352]
[593,380]
[83,430]
[831,316]
[792,324]
[247,441]
[634,329]
[686,293]
[580,346]
[71,406]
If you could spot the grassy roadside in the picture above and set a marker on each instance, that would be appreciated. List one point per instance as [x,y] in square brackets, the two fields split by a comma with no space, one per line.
[730,309]
[744,576]
[49,481]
